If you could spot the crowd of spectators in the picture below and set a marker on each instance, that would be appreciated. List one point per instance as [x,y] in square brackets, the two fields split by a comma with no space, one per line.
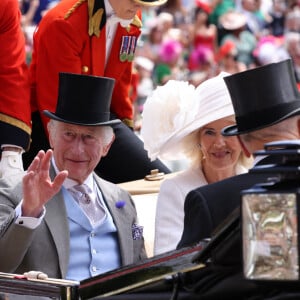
[193,40]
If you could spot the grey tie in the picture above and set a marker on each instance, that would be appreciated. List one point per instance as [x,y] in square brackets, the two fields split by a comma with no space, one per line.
[91,207]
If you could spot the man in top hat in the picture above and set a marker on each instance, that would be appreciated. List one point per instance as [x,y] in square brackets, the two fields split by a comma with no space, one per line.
[91,37]
[59,217]
[266,102]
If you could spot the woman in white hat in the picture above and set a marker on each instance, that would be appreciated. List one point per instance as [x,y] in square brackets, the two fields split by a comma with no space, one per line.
[180,121]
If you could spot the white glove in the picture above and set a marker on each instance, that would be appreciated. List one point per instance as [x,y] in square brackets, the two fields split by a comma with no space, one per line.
[11,163]
[35,275]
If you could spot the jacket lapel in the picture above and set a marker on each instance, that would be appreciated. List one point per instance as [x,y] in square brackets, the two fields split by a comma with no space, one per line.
[57,222]
[123,224]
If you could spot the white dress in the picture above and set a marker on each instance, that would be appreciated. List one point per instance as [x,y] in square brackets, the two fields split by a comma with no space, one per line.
[169,217]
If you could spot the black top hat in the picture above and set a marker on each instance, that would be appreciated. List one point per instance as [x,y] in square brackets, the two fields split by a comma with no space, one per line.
[84,100]
[262,97]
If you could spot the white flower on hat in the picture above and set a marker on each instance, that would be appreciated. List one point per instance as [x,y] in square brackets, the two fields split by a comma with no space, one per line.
[166,111]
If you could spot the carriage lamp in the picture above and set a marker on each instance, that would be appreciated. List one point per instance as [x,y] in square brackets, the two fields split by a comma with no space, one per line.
[270,216]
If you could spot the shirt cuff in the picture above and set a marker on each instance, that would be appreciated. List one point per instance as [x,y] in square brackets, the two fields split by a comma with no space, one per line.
[12,146]
[28,222]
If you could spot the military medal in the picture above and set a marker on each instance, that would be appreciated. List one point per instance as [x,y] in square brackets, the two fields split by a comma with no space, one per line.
[132,48]
[127,48]
[124,48]
[123,57]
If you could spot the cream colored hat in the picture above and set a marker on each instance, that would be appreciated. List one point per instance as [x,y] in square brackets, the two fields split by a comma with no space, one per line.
[177,109]
[145,63]
[232,20]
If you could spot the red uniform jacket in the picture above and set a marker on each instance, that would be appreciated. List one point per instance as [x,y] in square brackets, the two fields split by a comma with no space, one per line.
[62,44]
[15,125]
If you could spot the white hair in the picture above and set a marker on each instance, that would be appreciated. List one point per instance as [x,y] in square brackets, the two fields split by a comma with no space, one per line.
[284,130]
[106,132]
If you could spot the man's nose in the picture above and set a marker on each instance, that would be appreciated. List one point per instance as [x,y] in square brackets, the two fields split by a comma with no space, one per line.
[78,144]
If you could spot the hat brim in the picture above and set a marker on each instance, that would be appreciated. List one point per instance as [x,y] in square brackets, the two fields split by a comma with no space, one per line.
[233,20]
[151,3]
[55,117]
[233,130]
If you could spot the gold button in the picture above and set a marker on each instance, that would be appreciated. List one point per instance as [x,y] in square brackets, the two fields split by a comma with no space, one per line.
[85,69]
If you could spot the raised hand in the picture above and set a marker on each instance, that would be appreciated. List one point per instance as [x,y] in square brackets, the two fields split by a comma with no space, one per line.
[38,188]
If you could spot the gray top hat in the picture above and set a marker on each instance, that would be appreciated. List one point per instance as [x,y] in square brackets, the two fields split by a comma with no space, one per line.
[83,100]
[262,97]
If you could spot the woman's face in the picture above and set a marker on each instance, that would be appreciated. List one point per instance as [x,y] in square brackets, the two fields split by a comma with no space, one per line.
[219,152]
[201,16]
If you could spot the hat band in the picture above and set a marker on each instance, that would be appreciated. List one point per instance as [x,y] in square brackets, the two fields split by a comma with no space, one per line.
[265,117]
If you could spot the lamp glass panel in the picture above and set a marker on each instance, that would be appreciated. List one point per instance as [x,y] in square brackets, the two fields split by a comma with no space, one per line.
[270,236]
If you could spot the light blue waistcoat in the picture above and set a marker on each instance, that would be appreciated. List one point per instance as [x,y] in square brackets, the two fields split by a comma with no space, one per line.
[92,250]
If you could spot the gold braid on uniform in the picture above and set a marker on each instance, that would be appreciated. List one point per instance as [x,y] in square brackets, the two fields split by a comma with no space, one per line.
[128,122]
[72,9]
[15,122]
[94,19]
[137,21]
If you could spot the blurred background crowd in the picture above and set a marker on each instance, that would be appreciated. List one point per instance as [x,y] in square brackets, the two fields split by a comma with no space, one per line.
[193,40]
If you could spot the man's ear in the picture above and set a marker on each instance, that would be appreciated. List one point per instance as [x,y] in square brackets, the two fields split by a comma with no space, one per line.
[245,150]
[50,135]
[107,147]
[298,124]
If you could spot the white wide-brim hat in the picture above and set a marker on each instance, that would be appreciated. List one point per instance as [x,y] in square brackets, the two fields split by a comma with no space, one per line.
[177,109]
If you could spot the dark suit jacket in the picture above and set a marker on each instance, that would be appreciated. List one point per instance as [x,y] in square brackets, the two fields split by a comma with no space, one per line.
[208,206]
[46,248]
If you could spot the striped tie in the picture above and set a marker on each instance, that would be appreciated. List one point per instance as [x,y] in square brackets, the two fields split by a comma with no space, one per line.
[84,196]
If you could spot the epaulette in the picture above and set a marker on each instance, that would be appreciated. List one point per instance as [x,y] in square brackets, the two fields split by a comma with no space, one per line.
[72,9]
